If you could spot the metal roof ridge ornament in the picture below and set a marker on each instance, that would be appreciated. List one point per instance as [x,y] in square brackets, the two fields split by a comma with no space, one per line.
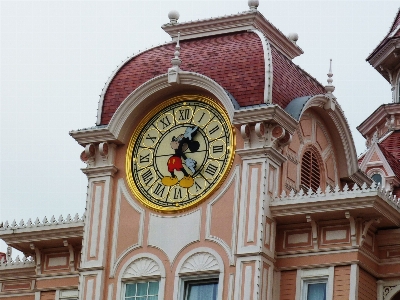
[53,221]
[173,72]
[253,4]
[330,87]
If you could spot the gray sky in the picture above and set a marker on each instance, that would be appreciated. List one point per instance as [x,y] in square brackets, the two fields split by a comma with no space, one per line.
[57,55]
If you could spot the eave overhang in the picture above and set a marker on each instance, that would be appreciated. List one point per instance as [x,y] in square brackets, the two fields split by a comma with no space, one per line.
[265,113]
[43,236]
[94,135]
[368,126]
[385,56]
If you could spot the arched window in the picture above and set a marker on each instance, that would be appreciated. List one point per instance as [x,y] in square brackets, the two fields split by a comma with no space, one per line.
[310,171]
[377,178]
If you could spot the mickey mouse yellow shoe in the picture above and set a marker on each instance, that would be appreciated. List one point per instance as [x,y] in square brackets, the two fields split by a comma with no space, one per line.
[169,180]
[186,182]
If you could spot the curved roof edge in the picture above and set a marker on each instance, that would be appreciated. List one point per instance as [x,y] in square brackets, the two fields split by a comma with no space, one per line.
[268,66]
[338,120]
[111,77]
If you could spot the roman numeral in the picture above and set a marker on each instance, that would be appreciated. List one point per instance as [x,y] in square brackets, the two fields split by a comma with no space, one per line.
[145,158]
[217,149]
[183,114]
[147,177]
[212,131]
[177,193]
[165,122]
[159,190]
[197,186]
[201,118]
[152,138]
[211,169]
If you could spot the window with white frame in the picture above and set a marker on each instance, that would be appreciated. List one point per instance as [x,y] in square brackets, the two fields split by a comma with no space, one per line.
[199,274]
[143,279]
[315,290]
[142,290]
[316,284]
[68,295]
[206,289]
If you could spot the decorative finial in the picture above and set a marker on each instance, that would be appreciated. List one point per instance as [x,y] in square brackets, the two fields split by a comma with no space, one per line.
[173,72]
[253,4]
[173,16]
[293,36]
[330,88]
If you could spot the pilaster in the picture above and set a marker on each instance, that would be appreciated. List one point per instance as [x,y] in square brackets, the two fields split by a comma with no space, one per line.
[262,158]
[100,171]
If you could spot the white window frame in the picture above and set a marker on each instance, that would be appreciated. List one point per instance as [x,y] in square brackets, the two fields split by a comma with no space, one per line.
[377,171]
[140,280]
[310,276]
[181,277]
[121,286]
[67,294]
[197,278]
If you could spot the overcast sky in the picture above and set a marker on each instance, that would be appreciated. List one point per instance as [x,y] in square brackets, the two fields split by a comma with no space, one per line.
[57,55]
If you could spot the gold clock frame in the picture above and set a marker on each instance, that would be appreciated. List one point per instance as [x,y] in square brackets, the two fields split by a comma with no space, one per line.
[128,162]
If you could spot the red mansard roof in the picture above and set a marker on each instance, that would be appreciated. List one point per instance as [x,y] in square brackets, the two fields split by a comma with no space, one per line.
[392,161]
[392,145]
[396,23]
[235,61]
[290,81]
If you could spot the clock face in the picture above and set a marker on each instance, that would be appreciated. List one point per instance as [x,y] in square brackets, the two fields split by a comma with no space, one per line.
[180,153]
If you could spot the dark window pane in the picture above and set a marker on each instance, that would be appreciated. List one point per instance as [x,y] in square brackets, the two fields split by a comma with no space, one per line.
[316,291]
[142,289]
[377,178]
[202,291]
[130,290]
[153,288]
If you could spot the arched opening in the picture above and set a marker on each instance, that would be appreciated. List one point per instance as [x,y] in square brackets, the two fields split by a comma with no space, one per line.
[377,178]
[310,170]
[396,297]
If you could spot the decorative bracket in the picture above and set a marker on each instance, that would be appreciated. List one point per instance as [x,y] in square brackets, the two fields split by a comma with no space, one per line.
[260,131]
[245,132]
[37,259]
[88,155]
[353,237]
[103,150]
[367,225]
[314,231]
[71,255]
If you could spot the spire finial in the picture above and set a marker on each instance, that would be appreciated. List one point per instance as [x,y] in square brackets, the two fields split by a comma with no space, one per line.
[330,87]
[176,61]
[173,72]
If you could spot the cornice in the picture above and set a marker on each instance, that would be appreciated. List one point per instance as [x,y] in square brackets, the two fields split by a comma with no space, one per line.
[93,172]
[265,113]
[248,20]
[376,58]
[94,135]
[44,233]
[256,153]
[378,116]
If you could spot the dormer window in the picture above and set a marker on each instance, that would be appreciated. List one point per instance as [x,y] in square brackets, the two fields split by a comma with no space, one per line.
[310,171]
[377,178]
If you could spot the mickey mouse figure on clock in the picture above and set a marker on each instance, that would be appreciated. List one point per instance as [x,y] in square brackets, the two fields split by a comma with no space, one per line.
[180,153]
[180,144]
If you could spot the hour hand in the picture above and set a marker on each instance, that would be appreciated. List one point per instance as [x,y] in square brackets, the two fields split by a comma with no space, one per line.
[191,164]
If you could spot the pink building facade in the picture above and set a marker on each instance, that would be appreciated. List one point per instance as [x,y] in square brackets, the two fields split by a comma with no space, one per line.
[219,169]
